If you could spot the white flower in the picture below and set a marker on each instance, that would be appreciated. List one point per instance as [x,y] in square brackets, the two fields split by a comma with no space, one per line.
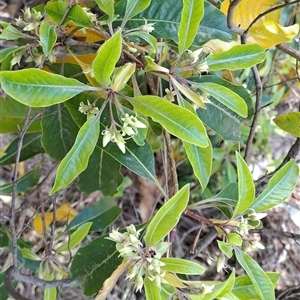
[128,130]
[194,56]
[253,216]
[202,67]
[133,121]
[147,27]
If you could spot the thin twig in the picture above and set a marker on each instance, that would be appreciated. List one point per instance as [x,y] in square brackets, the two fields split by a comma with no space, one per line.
[258,85]
[12,224]
[236,29]
[289,50]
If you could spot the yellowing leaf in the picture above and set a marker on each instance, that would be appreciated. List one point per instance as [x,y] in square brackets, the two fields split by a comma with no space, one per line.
[266,31]
[65,212]
[289,122]
[88,35]
[38,222]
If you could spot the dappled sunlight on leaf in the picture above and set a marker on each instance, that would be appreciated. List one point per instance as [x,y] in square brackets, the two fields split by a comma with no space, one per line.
[266,31]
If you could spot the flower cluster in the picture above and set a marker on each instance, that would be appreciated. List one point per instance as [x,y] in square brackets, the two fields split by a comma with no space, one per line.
[88,109]
[145,262]
[31,19]
[200,65]
[129,128]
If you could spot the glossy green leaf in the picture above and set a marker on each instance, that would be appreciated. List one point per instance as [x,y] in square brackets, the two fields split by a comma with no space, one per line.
[166,16]
[27,253]
[59,131]
[9,32]
[191,15]
[238,57]
[167,216]
[152,290]
[107,6]
[25,183]
[56,10]
[94,263]
[243,287]
[181,266]
[262,284]
[201,161]
[280,186]
[289,122]
[37,88]
[177,120]
[107,57]
[226,248]
[133,7]
[245,186]
[48,37]
[226,96]
[31,146]
[13,114]
[96,175]
[76,237]
[76,160]
[101,214]
[227,199]
[138,159]
[7,51]
[221,120]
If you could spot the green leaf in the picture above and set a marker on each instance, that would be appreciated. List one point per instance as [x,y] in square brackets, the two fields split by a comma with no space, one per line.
[133,7]
[59,131]
[94,263]
[177,120]
[234,238]
[166,16]
[107,6]
[201,161]
[167,216]
[107,57]
[77,159]
[101,214]
[262,284]
[152,291]
[280,186]
[48,37]
[150,39]
[226,248]
[9,32]
[243,287]
[181,266]
[245,186]
[7,51]
[76,237]
[31,146]
[289,122]
[238,57]
[13,114]
[25,183]
[191,15]
[220,289]
[221,120]
[56,10]
[96,175]
[226,96]
[27,253]
[50,294]
[37,88]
